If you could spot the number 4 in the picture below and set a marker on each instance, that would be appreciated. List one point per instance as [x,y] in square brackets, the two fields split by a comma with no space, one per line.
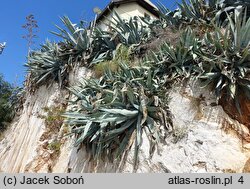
[241,180]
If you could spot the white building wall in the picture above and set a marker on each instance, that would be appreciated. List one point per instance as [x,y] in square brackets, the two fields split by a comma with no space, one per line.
[125,11]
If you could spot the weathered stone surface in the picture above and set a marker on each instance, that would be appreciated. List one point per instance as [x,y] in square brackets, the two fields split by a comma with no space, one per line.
[78,74]
[229,107]
[247,167]
[20,143]
[205,143]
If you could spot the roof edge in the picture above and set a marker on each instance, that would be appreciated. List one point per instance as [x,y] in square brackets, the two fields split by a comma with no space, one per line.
[147,5]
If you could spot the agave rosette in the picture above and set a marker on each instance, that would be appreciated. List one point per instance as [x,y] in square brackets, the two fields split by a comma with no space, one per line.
[112,113]
[179,60]
[129,32]
[226,59]
[45,64]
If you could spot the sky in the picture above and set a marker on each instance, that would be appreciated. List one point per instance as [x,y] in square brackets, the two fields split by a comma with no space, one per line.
[47,14]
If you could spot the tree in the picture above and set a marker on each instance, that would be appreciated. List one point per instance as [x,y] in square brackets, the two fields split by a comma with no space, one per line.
[6,111]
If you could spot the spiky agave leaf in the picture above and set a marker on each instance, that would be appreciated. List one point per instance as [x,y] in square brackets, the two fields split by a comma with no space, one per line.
[78,36]
[228,6]
[198,10]
[45,64]
[240,26]
[129,32]
[113,111]
[198,13]
[226,60]
[169,18]
[178,61]
[104,46]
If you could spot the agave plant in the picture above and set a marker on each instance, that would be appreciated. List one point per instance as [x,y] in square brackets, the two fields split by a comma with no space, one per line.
[178,61]
[226,60]
[167,17]
[112,113]
[77,36]
[239,28]
[189,12]
[104,46]
[202,11]
[153,24]
[129,32]
[45,64]
[227,6]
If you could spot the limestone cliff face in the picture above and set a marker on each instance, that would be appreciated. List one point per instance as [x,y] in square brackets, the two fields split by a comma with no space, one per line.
[20,143]
[206,139]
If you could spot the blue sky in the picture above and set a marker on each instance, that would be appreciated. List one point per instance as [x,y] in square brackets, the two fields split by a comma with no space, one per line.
[47,13]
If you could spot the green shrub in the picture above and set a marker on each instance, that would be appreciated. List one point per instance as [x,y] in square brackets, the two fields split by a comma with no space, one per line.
[122,54]
[55,146]
[53,119]
[100,68]
[6,110]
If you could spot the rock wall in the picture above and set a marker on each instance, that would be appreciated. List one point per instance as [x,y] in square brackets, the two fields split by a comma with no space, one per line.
[19,146]
[205,139]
